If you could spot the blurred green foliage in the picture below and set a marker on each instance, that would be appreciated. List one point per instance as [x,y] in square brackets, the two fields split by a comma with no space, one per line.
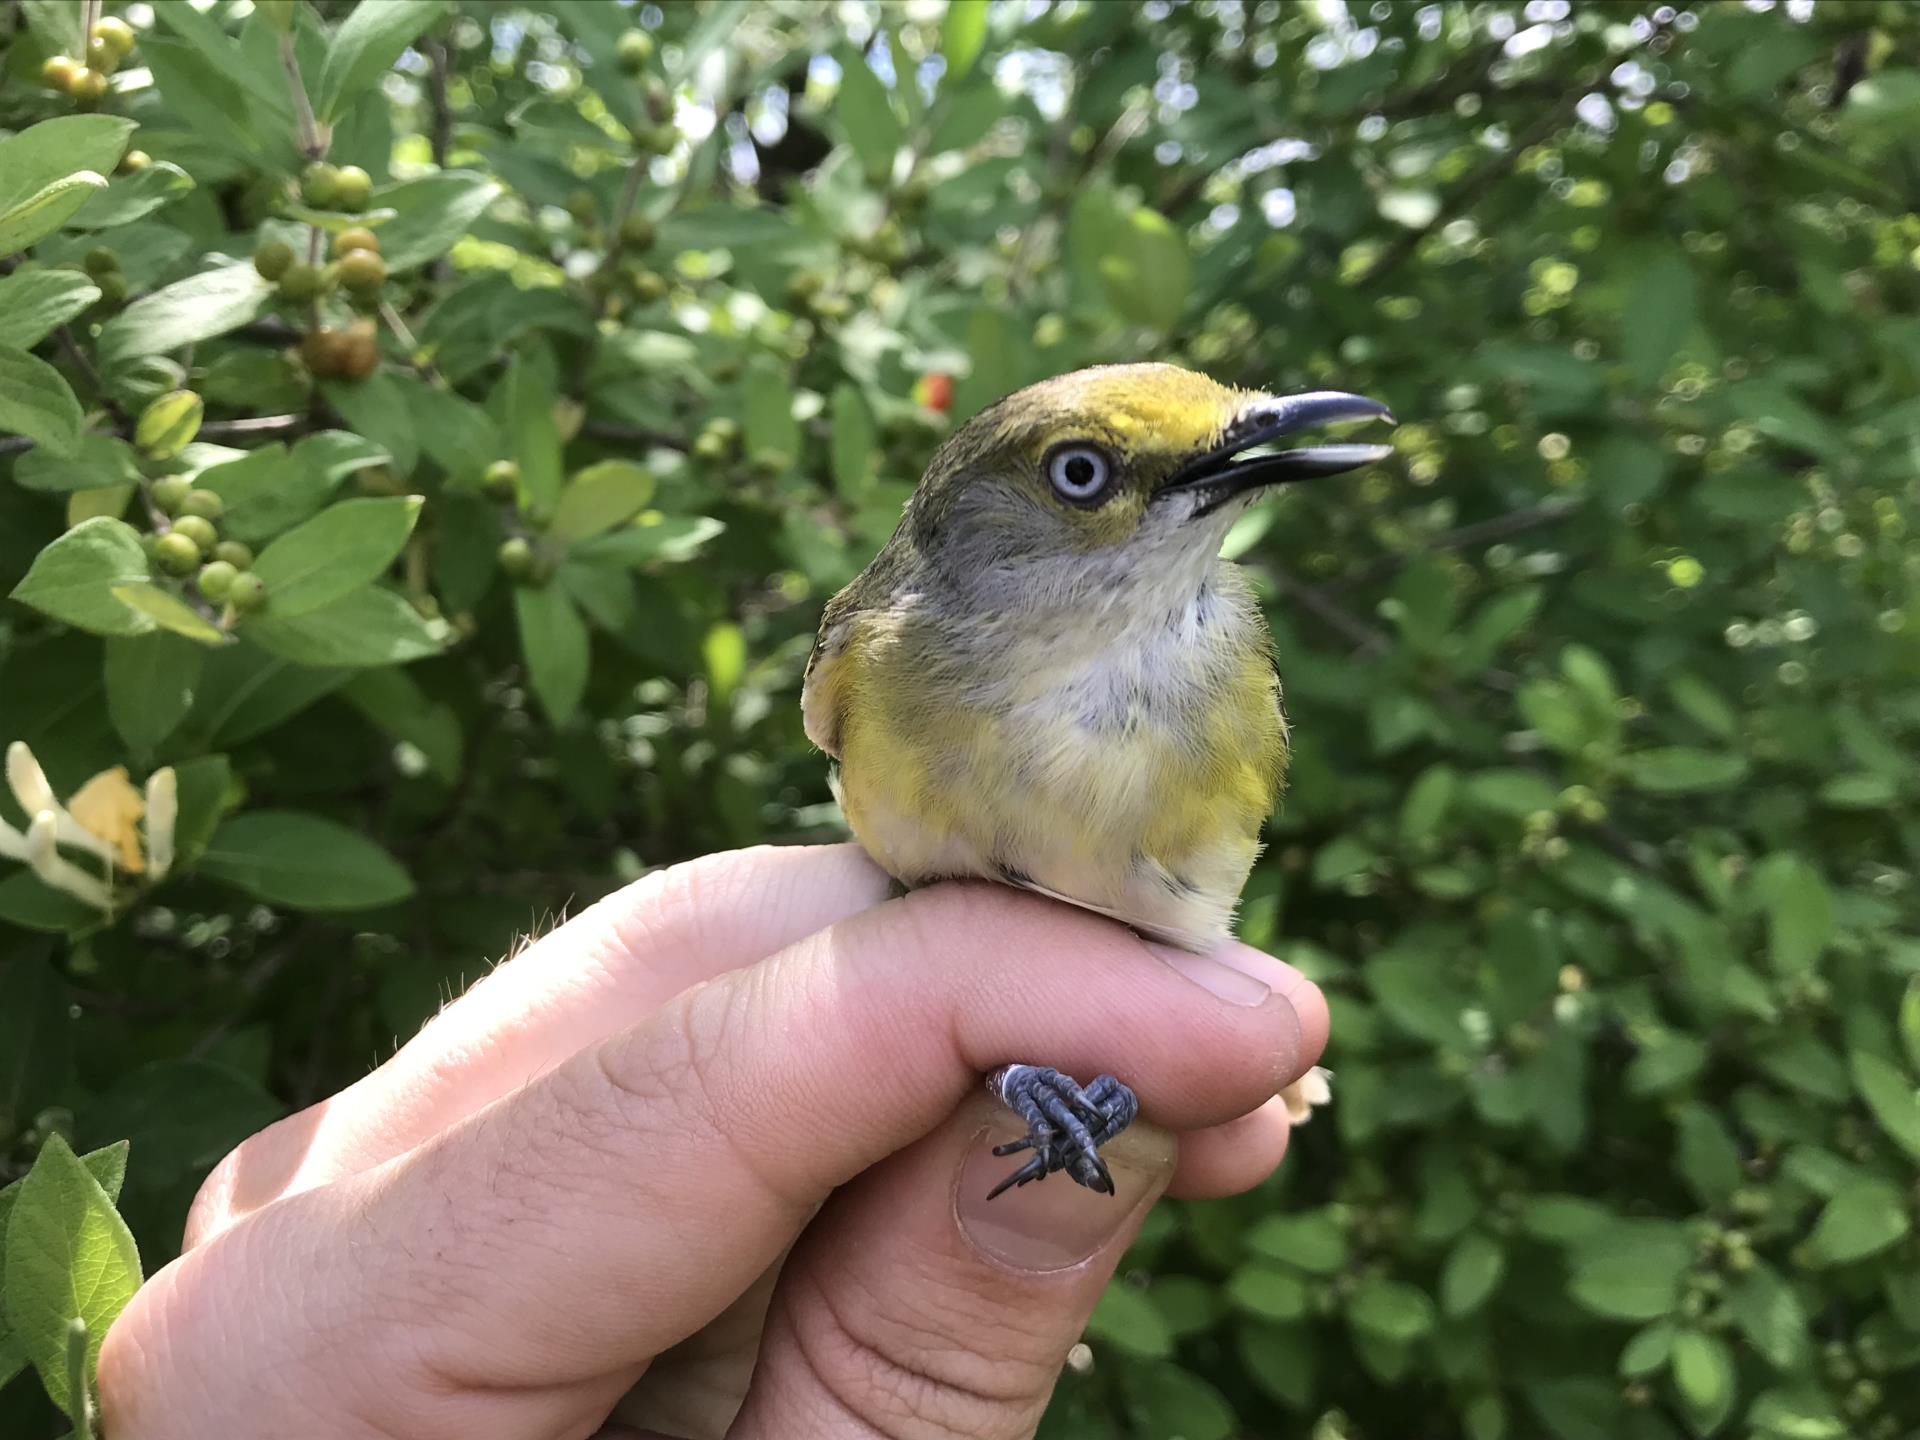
[1602,831]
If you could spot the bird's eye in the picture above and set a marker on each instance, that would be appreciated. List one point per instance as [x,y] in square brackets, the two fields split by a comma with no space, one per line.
[1079,474]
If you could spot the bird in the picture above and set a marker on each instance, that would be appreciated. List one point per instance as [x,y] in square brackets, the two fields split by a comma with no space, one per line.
[1050,677]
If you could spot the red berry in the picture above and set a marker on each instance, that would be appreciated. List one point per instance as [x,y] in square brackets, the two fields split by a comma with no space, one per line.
[936,392]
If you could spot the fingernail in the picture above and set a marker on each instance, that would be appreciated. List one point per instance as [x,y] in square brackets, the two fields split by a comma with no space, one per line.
[1217,973]
[1054,1224]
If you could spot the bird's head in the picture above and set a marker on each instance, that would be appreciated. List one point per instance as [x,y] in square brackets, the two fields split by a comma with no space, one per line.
[1121,473]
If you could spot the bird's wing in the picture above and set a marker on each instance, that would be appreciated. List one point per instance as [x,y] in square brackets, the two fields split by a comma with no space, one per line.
[822,693]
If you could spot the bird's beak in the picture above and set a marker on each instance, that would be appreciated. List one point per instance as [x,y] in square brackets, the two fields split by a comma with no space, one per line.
[1226,470]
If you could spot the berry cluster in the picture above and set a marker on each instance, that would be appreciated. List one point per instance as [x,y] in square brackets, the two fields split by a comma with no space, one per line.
[85,81]
[358,269]
[191,542]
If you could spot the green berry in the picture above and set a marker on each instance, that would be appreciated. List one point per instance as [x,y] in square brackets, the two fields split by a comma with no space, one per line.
[726,427]
[353,187]
[583,207]
[113,287]
[176,554]
[88,87]
[355,237]
[708,446]
[501,480]
[114,33]
[302,282]
[633,51]
[362,271]
[246,593]
[234,554]
[133,160]
[320,185]
[647,286]
[59,72]
[516,558]
[636,230]
[273,259]
[100,261]
[216,578]
[170,492]
[199,530]
[203,503]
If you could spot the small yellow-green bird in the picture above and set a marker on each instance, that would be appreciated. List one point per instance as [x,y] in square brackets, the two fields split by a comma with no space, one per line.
[1049,676]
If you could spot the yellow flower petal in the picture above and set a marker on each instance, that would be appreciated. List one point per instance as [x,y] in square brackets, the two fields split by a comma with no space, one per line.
[111,808]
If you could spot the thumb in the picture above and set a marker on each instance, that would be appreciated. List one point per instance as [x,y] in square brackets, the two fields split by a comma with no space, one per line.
[915,1307]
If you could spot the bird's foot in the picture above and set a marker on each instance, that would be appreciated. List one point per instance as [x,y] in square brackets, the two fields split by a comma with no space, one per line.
[1066,1125]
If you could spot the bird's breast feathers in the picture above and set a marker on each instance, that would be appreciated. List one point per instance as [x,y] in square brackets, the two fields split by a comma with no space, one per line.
[1120,765]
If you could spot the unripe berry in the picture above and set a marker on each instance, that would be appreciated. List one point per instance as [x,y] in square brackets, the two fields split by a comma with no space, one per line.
[362,271]
[113,287]
[353,187]
[216,578]
[320,185]
[203,503]
[59,72]
[246,593]
[133,160]
[324,351]
[501,480]
[516,558]
[199,530]
[101,56]
[636,230]
[100,261]
[708,446]
[88,87]
[356,237]
[273,259]
[115,34]
[176,554]
[647,286]
[634,50]
[362,355]
[170,492]
[301,282]
[583,207]
[233,553]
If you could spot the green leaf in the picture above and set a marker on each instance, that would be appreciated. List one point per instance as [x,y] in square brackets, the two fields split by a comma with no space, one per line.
[36,1039]
[1769,1314]
[1426,803]
[33,303]
[1390,1310]
[1471,1274]
[1648,1351]
[864,113]
[1862,1220]
[1862,790]
[429,214]
[1631,1270]
[1269,1291]
[288,858]
[768,413]
[1703,1373]
[269,489]
[1799,909]
[1167,1400]
[369,626]
[1681,769]
[1909,1023]
[553,639]
[54,150]
[1312,1240]
[962,33]
[36,401]
[1892,1098]
[394,701]
[380,408]
[666,540]
[598,498]
[149,682]
[533,433]
[57,24]
[170,612]
[1127,1320]
[1666,1064]
[130,197]
[1657,315]
[181,1117]
[855,440]
[72,579]
[69,1256]
[44,212]
[341,549]
[184,313]
[1706,1157]
[365,46]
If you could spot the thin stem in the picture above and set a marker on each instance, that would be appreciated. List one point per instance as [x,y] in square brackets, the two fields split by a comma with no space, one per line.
[313,142]
[404,335]
[616,228]
[1480,532]
[78,358]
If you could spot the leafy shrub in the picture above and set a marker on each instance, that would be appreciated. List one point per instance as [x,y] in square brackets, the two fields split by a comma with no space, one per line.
[1602,829]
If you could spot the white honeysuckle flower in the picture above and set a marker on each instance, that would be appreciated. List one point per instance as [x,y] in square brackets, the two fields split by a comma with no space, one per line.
[163,809]
[30,787]
[131,831]
[56,870]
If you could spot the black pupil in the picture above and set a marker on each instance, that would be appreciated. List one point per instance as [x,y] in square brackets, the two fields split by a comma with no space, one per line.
[1081,472]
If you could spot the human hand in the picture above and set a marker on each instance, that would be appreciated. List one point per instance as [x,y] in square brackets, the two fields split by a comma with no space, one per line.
[694,1161]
